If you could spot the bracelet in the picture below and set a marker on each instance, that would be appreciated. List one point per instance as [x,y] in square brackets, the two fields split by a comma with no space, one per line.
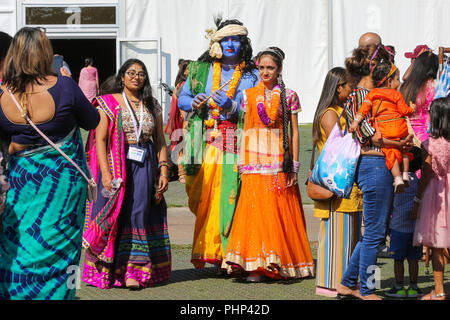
[163,175]
[163,163]
[418,200]
[295,166]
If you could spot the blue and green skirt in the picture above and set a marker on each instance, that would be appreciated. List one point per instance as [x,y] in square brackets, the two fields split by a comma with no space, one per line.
[40,245]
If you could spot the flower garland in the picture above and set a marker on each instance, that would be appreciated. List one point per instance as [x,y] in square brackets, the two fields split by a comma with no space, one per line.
[216,77]
[267,114]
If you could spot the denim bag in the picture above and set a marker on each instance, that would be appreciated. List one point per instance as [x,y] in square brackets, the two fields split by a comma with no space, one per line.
[336,166]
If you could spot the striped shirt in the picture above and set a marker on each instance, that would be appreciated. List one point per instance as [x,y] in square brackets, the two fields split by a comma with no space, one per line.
[402,206]
[365,131]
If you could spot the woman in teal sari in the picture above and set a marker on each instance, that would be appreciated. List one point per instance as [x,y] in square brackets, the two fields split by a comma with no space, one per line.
[40,245]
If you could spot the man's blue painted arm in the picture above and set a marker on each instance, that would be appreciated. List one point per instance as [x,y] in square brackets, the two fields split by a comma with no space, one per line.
[185,98]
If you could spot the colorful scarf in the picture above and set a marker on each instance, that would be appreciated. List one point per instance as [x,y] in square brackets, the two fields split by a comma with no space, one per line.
[198,76]
[175,122]
[100,232]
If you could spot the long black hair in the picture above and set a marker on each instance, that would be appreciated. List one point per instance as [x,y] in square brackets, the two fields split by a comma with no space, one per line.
[329,97]
[440,118]
[246,52]
[5,42]
[425,67]
[278,56]
[145,94]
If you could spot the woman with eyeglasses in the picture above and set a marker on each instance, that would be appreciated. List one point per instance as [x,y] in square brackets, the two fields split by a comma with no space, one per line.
[126,237]
[40,245]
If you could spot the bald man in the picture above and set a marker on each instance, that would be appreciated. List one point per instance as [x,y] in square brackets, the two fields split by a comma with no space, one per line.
[369,39]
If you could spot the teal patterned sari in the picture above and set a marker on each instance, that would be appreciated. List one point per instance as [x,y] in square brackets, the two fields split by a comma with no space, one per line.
[40,245]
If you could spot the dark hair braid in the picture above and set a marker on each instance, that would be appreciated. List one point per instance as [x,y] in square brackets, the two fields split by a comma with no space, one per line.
[287,162]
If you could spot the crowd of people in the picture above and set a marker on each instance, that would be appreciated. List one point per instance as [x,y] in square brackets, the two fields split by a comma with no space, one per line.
[238,124]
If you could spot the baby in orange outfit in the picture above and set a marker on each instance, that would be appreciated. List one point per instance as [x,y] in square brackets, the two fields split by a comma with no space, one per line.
[388,109]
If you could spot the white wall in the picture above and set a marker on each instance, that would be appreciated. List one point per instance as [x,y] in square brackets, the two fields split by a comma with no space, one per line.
[401,23]
[299,27]
[8,16]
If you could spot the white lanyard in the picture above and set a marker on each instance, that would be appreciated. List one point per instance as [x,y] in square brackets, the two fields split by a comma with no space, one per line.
[141,117]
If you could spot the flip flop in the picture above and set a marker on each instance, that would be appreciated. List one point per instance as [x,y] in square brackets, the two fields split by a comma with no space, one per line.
[433,296]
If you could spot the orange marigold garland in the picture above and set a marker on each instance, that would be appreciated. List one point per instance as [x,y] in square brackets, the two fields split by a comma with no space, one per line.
[267,114]
[216,77]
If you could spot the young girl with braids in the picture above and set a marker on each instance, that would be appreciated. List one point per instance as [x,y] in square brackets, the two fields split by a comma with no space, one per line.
[388,109]
[268,235]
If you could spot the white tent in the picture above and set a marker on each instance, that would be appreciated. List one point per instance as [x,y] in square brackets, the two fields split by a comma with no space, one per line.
[316,35]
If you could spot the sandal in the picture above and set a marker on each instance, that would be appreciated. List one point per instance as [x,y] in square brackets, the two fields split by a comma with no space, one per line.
[182,179]
[433,296]
[132,284]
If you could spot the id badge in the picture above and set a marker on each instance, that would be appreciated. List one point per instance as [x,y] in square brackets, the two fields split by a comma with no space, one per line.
[136,153]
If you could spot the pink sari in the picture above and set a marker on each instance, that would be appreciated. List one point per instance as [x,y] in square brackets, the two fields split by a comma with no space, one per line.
[100,233]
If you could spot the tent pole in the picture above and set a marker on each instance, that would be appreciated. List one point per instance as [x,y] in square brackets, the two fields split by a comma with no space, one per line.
[330,34]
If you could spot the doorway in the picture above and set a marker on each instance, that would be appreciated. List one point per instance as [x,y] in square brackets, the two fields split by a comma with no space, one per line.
[102,51]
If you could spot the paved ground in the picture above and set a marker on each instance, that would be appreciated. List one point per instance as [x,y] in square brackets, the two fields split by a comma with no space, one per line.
[181,224]
[187,283]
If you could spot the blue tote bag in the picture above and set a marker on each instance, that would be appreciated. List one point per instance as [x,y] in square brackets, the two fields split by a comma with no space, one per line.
[336,166]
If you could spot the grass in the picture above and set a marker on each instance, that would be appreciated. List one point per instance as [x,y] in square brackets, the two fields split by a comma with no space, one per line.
[176,194]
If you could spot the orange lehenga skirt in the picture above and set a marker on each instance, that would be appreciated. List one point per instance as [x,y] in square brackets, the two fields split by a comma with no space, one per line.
[268,234]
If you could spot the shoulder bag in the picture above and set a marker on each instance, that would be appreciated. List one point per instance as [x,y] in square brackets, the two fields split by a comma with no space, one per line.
[316,192]
[92,185]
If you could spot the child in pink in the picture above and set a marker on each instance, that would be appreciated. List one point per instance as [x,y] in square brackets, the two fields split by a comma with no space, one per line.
[432,202]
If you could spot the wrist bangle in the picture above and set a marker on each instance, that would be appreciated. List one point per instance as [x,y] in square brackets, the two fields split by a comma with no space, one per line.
[163,163]
[295,166]
[418,200]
